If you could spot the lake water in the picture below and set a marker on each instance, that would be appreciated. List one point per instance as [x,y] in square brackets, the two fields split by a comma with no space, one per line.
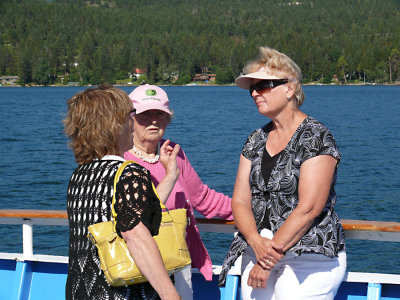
[211,124]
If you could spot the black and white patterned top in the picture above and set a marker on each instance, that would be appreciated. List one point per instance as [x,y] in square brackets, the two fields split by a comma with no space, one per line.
[89,201]
[279,197]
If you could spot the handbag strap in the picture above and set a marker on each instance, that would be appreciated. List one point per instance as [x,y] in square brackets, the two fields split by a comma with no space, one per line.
[116,179]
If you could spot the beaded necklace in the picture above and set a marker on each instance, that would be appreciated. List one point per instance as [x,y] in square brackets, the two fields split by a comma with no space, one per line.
[153,160]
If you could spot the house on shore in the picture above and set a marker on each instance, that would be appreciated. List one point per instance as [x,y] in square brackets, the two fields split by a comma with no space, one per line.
[137,73]
[9,80]
[204,77]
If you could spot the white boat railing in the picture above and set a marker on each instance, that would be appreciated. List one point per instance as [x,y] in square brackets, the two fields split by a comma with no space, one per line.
[28,218]
[354,229]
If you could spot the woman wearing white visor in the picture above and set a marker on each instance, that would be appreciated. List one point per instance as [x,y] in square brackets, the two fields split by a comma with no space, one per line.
[283,202]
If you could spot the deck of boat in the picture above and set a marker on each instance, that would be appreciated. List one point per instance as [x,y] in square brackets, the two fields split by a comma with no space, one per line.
[29,276]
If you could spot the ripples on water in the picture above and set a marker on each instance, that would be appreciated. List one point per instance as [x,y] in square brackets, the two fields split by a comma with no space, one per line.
[211,124]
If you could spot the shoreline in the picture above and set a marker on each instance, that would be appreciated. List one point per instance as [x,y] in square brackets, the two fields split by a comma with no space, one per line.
[206,85]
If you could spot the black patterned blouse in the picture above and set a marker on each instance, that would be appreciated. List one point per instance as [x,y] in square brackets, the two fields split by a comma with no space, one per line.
[89,200]
[277,198]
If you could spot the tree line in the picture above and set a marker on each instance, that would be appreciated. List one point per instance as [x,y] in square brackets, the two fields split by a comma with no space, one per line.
[46,42]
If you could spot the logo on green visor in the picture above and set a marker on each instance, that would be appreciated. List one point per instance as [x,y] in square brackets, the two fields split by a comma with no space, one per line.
[151,92]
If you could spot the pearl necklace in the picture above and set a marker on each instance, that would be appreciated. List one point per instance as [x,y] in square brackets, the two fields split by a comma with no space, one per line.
[153,160]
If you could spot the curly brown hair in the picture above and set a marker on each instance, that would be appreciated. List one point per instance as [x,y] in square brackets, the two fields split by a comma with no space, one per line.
[94,120]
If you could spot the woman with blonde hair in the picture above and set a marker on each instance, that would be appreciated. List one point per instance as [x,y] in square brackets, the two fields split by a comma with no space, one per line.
[290,237]
[99,124]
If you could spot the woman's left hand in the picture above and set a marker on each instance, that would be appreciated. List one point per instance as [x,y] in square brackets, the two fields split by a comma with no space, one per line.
[168,158]
[265,252]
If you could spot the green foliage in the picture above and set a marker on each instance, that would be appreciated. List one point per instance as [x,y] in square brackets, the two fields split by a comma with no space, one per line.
[143,79]
[342,66]
[102,41]
[224,76]
[41,73]
[394,63]
[184,79]
[120,75]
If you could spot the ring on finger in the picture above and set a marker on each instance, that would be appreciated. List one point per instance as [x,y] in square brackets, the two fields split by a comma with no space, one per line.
[267,262]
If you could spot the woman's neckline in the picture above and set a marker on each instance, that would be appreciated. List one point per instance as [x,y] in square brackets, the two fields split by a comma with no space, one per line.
[112,157]
[291,138]
[139,153]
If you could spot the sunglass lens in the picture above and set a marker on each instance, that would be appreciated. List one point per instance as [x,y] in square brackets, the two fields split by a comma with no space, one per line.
[259,86]
[266,84]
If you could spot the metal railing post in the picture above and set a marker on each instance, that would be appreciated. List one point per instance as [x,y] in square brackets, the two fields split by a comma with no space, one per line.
[27,238]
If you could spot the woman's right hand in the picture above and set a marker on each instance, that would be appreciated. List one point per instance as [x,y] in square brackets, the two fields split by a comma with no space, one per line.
[244,218]
[258,277]
[168,158]
[265,252]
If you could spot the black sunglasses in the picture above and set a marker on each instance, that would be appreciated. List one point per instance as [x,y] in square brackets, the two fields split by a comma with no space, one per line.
[266,84]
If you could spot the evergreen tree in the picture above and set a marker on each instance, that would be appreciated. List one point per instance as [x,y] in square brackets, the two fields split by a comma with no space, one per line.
[95,41]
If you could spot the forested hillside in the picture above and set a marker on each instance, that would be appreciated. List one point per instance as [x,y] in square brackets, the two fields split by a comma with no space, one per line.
[95,41]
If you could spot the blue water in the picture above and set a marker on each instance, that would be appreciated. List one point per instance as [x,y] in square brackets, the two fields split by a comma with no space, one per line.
[211,124]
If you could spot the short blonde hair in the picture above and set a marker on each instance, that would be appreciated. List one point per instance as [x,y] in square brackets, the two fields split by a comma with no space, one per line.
[280,65]
[94,121]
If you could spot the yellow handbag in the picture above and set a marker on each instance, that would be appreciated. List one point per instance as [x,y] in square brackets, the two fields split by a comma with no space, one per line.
[115,260]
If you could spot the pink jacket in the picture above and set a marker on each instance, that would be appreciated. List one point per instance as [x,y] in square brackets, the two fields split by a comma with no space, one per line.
[191,193]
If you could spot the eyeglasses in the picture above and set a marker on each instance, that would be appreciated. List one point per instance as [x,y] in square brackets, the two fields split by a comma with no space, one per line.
[132,113]
[266,84]
[151,115]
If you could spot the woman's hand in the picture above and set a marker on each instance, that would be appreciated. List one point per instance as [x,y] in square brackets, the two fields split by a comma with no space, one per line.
[265,252]
[168,158]
[258,277]
[244,218]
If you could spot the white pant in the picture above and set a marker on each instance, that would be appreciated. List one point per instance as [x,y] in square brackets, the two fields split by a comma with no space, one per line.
[309,276]
[183,283]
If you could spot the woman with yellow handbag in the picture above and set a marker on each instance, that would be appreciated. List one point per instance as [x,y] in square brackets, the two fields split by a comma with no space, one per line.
[99,126]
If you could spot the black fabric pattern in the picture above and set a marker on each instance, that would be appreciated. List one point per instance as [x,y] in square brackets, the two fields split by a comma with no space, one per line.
[267,165]
[89,200]
[326,235]
[136,201]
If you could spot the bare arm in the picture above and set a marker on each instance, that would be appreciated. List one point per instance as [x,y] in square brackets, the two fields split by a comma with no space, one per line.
[241,201]
[144,251]
[314,185]
[168,160]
